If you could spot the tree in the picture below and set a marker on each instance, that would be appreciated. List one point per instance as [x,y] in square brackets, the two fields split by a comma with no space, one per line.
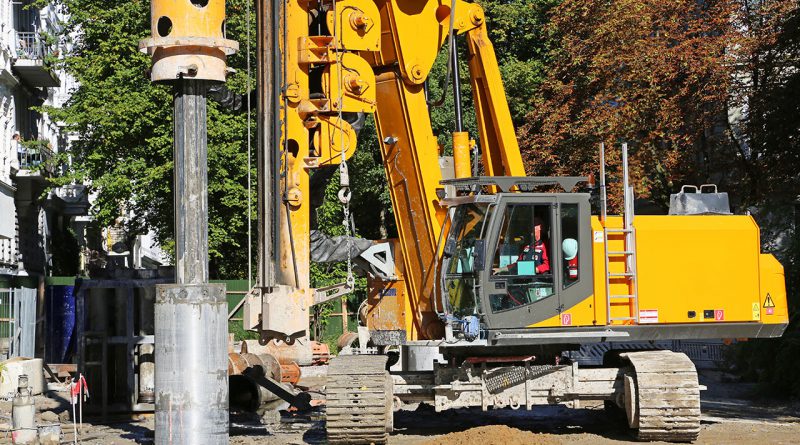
[653,73]
[764,101]
[123,125]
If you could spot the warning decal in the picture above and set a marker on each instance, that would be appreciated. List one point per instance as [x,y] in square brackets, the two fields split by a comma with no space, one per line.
[566,319]
[648,316]
[756,311]
[719,315]
[768,301]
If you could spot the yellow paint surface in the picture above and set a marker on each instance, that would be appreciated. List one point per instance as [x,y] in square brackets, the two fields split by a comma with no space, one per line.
[709,265]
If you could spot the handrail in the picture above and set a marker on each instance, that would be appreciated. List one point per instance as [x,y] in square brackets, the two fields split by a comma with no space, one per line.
[30,45]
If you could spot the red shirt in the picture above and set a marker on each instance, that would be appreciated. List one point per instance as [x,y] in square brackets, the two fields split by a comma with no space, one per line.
[538,254]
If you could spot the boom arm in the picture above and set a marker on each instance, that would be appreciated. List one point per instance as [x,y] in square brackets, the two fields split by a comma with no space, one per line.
[365,56]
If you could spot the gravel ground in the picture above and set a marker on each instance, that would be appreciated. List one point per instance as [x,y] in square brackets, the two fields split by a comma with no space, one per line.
[732,414]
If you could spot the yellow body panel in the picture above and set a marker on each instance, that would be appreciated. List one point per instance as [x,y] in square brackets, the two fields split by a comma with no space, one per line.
[691,269]
[187,20]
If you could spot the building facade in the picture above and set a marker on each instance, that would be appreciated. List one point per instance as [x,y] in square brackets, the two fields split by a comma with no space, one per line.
[29,139]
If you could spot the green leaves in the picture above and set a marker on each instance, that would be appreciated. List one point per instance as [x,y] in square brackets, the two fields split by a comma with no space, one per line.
[124,128]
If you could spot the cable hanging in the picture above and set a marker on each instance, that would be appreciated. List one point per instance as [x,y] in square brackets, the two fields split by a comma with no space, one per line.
[249,162]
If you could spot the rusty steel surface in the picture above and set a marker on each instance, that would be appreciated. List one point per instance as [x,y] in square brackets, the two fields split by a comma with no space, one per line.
[346,339]
[320,352]
[240,363]
[290,373]
[299,351]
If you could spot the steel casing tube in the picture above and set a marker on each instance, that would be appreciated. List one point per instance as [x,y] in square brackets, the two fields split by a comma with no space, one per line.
[191,341]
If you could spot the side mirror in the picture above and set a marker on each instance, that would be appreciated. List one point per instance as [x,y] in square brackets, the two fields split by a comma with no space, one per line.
[479,255]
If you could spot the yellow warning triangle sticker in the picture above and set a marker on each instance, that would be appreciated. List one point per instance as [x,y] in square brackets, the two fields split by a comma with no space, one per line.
[768,302]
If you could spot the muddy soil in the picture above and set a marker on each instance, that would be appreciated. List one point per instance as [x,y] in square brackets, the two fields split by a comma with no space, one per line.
[733,413]
[494,434]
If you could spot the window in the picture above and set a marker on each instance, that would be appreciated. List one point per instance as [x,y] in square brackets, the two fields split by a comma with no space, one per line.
[468,223]
[523,258]
[569,243]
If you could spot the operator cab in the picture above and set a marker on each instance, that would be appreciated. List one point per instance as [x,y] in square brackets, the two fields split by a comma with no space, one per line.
[516,257]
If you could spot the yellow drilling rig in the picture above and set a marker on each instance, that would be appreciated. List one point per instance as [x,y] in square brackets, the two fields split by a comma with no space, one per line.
[492,276]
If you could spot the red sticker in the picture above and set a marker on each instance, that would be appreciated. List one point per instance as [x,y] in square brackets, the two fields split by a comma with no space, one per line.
[770,311]
[719,315]
[566,319]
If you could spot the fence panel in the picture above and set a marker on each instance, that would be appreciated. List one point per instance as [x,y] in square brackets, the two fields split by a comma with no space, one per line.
[26,320]
[17,323]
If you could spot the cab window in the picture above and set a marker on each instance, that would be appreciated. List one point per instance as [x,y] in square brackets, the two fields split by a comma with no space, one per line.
[569,244]
[523,258]
[468,222]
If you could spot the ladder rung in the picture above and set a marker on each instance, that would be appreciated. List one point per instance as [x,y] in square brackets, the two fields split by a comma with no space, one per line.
[619,230]
[622,318]
[623,274]
[621,252]
[619,297]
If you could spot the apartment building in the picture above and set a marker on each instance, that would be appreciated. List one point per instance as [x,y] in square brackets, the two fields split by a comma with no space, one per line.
[29,139]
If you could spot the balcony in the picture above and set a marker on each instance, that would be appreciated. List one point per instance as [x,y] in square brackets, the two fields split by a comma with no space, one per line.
[35,159]
[35,166]
[30,62]
[69,200]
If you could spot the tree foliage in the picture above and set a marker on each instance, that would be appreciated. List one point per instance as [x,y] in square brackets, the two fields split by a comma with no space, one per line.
[123,124]
[652,73]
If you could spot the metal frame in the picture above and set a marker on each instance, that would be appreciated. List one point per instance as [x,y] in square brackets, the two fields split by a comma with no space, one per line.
[131,339]
[522,183]
[683,331]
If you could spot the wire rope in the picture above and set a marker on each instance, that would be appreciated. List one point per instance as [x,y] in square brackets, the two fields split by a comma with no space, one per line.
[249,160]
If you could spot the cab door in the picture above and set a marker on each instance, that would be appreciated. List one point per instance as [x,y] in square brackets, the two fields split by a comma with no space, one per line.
[532,274]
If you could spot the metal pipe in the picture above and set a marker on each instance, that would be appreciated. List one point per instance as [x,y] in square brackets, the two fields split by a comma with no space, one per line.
[191,357]
[247,395]
[191,182]
[268,81]
[189,50]
[191,316]
[456,85]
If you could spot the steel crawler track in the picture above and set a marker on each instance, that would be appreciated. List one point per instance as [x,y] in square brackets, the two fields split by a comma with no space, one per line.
[663,396]
[359,400]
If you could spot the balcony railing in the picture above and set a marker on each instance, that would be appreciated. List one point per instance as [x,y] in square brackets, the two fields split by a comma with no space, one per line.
[30,63]
[30,46]
[37,158]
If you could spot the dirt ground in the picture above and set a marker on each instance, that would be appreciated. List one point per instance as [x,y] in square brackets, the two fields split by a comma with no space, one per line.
[732,414]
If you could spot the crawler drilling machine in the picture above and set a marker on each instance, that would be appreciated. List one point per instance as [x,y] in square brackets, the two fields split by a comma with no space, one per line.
[462,292]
